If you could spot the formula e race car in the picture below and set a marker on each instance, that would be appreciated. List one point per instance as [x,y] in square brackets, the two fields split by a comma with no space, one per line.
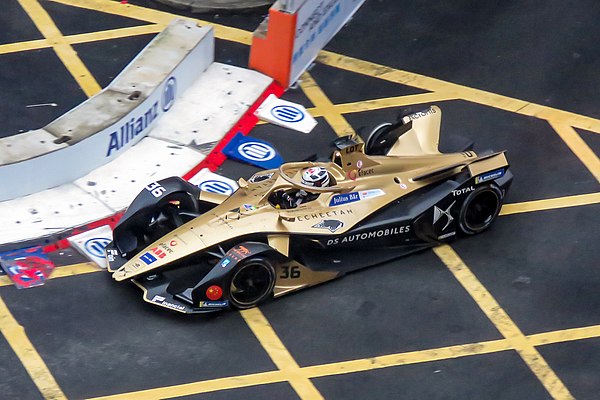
[194,251]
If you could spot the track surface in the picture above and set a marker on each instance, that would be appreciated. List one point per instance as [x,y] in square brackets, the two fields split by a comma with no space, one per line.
[510,314]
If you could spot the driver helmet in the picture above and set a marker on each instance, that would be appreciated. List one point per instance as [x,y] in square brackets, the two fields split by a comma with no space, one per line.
[315,176]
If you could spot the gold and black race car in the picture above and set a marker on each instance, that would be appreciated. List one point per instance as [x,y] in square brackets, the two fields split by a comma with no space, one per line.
[193,251]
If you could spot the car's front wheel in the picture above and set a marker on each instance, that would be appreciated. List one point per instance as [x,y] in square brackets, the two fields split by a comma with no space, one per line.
[480,209]
[252,282]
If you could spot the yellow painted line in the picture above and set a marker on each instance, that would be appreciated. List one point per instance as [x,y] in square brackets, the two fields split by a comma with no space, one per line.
[566,335]
[16,337]
[155,16]
[551,204]
[188,389]
[324,106]
[83,38]
[414,357]
[503,323]
[359,365]
[279,354]
[114,33]
[463,92]
[61,272]
[578,147]
[24,46]
[65,52]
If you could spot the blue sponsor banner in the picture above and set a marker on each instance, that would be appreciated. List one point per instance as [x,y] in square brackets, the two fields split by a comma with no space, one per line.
[253,151]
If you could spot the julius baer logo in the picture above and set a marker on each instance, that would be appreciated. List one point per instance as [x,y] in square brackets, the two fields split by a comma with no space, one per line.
[139,122]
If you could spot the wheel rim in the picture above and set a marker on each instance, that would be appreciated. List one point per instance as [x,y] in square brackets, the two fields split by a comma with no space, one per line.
[251,283]
[481,210]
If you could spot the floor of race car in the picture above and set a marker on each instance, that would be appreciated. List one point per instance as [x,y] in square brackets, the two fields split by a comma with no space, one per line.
[513,313]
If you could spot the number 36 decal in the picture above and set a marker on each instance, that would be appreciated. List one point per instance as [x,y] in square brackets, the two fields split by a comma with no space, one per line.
[156,189]
[288,272]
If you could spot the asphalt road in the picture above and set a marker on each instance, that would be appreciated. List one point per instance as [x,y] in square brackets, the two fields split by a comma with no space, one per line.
[512,313]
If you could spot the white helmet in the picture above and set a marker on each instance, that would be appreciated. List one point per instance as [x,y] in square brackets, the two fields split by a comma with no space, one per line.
[315,176]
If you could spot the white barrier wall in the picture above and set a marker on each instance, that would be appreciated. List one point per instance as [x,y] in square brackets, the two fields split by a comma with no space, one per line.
[106,125]
[317,22]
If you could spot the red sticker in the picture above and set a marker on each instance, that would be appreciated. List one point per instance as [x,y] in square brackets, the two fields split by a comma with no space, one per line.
[214,292]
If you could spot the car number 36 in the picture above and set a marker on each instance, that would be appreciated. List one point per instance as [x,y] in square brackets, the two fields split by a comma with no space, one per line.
[288,272]
[156,189]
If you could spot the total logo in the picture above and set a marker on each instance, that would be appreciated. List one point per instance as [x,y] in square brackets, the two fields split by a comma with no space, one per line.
[96,246]
[169,94]
[459,192]
[256,151]
[215,186]
[287,113]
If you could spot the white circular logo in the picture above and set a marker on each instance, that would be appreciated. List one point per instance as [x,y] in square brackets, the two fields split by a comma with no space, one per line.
[287,113]
[96,246]
[169,93]
[214,186]
[256,151]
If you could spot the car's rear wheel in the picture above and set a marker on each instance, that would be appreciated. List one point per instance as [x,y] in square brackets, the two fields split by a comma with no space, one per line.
[252,282]
[377,143]
[480,209]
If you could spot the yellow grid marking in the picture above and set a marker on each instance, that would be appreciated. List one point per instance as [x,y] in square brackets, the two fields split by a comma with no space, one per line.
[34,365]
[360,365]
[578,146]
[155,16]
[461,92]
[398,101]
[565,335]
[65,52]
[83,38]
[503,323]
[114,33]
[61,272]
[551,204]
[24,46]
[324,106]
[279,354]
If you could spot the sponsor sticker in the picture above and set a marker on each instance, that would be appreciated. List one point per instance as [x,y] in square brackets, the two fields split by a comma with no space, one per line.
[351,197]
[331,224]
[162,301]
[223,303]
[147,258]
[489,176]
[225,262]
[398,230]
[459,192]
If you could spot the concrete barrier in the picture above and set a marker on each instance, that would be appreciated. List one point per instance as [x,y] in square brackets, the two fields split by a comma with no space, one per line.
[106,125]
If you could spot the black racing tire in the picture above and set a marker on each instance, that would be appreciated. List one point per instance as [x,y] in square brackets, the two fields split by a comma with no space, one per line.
[375,143]
[251,283]
[480,209]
